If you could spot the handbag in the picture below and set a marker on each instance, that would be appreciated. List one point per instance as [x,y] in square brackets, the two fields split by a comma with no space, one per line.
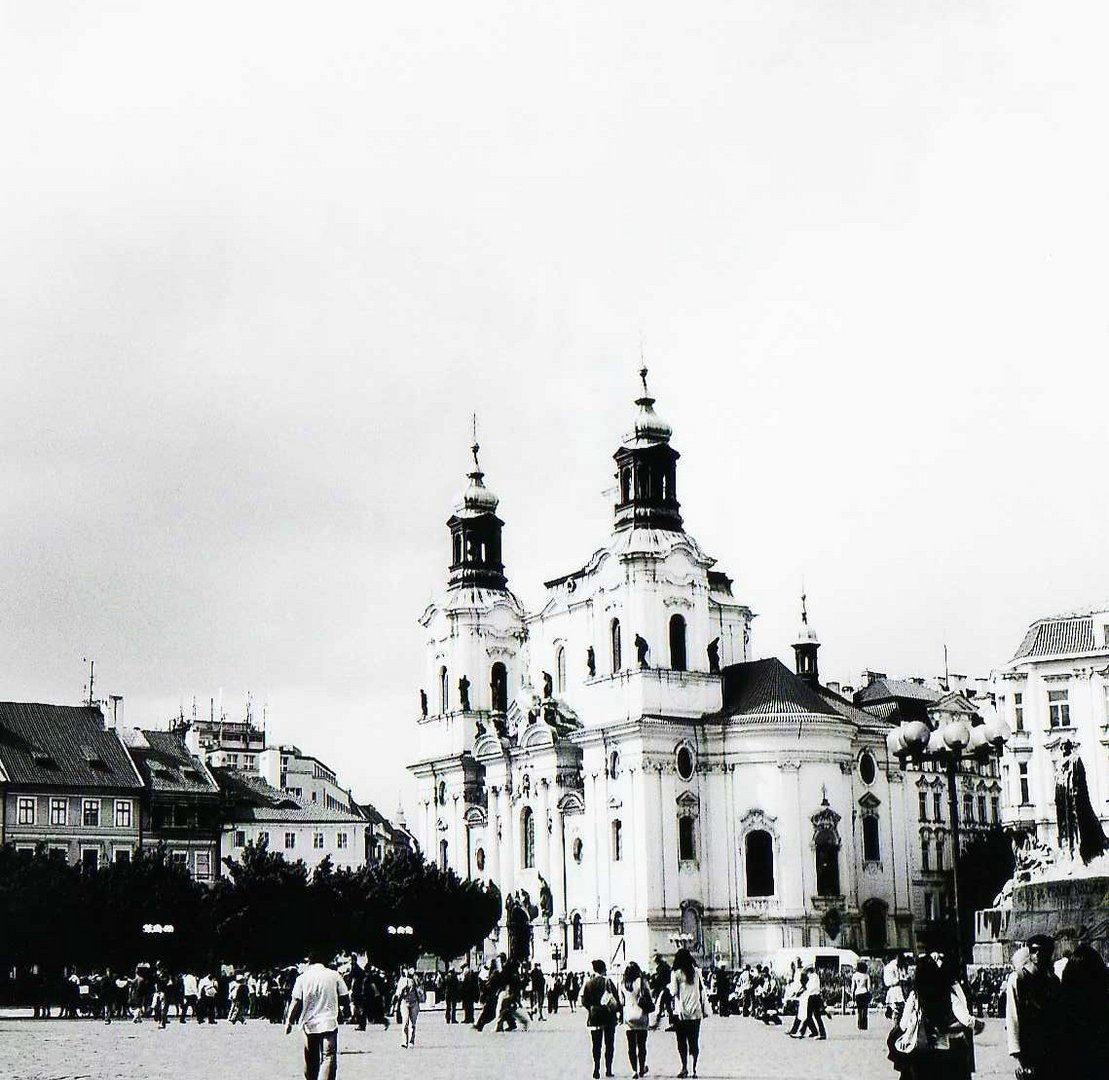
[608,998]
[643,999]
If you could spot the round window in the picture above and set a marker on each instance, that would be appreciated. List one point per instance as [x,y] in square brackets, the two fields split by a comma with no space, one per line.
[479,859]
[576,849]
[685,762]
[867,769]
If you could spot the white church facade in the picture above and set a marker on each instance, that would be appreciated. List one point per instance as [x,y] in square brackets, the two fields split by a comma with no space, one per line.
[620,758]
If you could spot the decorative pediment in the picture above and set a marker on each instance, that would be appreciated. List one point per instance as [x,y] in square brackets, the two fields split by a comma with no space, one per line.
[537,735]
[488,745]
[688,800]
[476,817]
[571,803]
[825,824]
[870,801]
[756,819]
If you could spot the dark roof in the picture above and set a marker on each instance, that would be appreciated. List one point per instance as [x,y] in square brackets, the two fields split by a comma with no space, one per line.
[62,746]
[1058,636]
[250,798]
[894,689]
[768,687]
[844,707]
[166,765]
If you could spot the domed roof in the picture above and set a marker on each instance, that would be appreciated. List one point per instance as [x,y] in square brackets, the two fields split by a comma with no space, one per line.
[476,499]
[649,426]
[806,635]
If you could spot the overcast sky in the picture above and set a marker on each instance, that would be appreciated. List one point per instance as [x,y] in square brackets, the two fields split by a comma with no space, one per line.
[261,262]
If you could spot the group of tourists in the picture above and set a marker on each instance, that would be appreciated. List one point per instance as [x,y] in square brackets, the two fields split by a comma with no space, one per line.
[1056,1016]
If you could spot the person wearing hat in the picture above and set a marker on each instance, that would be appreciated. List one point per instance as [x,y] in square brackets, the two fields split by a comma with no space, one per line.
[1032,1011]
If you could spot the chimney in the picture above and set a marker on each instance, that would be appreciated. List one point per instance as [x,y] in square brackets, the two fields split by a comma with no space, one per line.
[116,703]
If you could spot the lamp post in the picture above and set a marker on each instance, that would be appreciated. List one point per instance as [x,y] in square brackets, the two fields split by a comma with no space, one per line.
[949,739]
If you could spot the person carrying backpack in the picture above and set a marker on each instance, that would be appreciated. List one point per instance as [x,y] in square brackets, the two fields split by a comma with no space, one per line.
[602,1004]
[637,1004]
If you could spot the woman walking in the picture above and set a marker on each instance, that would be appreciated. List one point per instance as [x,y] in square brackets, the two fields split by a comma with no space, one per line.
[637,1005]
[599,999]
[936,1027]
[687,988]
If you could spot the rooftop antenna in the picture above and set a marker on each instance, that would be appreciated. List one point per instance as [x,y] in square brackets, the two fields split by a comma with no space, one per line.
[946,673]
[90,700]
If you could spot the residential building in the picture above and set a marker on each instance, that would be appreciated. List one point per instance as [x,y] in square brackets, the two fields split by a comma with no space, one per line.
[1053,691]
[67,783]
[254,812]
[926,808]
[304,777]
[384,837]
[182,805]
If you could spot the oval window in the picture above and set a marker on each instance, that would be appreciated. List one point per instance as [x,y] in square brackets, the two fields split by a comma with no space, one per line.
[685,762]
[479,859]
[576,849]
[867,769]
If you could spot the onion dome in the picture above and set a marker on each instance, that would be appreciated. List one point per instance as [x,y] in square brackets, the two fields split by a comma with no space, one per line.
[806,635]
[649,426]
[477,499]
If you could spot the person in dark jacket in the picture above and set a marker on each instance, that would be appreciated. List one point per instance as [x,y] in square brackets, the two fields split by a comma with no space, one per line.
[1084,1013]
[602,1002]
[1033,1012]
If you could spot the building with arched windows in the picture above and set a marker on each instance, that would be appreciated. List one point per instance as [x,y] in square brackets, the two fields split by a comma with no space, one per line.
[619,755]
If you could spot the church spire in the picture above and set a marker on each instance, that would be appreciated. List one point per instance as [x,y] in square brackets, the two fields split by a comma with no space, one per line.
[476,532]
[806,646]
[646,467]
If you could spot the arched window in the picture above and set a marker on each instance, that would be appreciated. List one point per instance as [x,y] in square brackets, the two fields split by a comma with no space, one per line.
[443,690]
[617,924]
[872,846]
[498,687]
[577,936]
[442,854]
[441,797]
[560,670]
[677,643]
[687,839]
[615,633]
[758,855]
[457,548]
[874,921]
[827,865]
[625,485]
[617,840]
[614,764]
[527,835]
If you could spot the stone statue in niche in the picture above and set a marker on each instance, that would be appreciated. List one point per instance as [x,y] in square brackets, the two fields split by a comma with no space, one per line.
[548,684]
[591,661]
[423,703]
[464,693]
[714,655]
[642,651]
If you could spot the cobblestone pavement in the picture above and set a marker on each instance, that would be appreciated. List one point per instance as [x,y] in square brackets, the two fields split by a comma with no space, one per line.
[732,1047]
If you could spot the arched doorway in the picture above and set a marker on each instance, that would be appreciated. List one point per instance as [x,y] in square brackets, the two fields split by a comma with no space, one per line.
[874,925]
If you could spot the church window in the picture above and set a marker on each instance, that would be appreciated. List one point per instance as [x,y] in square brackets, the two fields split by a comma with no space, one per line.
[457,548]
[615,634]
[577,937]
[614,764]
[872,847]
[441,797]
[442,855]
[677,643]
[577,849]
[827,864]
[687,847]
[560,670]
[625,485]
[498,687]
[443,690]
[685,762]
[758,852]
[617,924]
[868,770]
[527,829]
[617,840]
[1058,707]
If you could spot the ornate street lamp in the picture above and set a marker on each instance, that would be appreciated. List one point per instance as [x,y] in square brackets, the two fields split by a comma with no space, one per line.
[949,740]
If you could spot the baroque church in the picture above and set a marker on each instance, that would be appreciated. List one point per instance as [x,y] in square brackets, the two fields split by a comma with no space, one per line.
[624,771]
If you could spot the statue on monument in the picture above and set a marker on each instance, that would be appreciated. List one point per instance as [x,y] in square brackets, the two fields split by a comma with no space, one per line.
[591,661]
[423,703]
[1077,824]
[464,693]
[642,651]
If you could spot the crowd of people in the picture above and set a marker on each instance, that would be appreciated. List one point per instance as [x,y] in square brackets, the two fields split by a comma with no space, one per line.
[1056,1012]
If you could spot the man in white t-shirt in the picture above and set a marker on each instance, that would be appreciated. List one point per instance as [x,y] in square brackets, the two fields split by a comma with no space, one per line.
[318,995]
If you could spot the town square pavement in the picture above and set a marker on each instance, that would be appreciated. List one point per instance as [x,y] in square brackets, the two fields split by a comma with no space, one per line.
[731,1047]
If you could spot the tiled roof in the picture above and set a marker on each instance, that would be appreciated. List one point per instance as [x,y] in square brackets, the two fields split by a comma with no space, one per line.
[844,707]
[62,746]
[1058,636]
[166,764]
[769,688]
[250,798]
[887,689]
